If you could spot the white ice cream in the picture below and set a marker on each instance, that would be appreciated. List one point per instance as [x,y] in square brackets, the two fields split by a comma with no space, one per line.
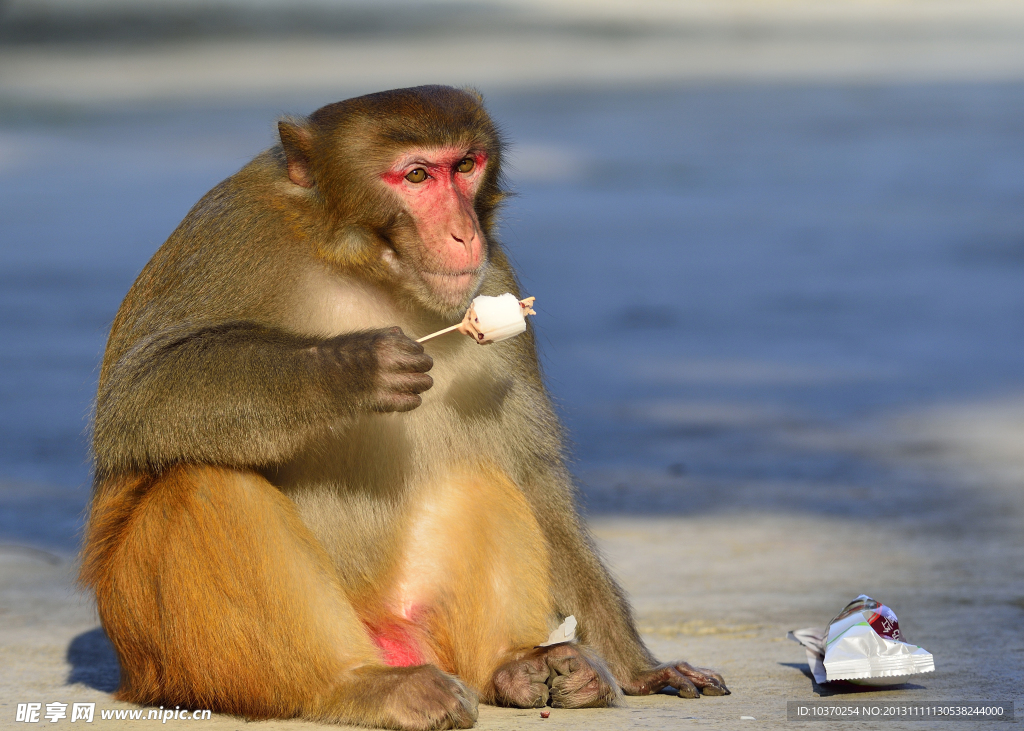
[499,318]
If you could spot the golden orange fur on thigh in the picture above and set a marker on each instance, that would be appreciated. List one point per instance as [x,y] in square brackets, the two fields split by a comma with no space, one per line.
[475,573]
[215,595]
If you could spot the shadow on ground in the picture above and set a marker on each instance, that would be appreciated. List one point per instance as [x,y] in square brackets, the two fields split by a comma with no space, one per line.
[93,661]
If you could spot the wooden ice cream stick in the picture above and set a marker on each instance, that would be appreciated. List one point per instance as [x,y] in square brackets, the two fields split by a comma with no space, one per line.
[439,332]
[525,305]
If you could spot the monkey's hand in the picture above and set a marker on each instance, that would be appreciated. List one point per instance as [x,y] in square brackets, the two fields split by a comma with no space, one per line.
[388,368]
[689,681]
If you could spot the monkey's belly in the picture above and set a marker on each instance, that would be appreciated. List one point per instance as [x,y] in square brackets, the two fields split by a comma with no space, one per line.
[462,562]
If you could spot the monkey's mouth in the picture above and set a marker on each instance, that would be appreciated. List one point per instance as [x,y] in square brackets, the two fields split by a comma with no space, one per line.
[452,286]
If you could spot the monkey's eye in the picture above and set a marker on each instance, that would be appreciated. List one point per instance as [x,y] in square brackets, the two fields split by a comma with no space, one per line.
[417,176]
[466,165]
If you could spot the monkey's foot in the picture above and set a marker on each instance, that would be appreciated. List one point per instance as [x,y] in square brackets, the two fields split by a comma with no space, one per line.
[579,679]
[523,682]
[689,681]
[410,699]
[564,675]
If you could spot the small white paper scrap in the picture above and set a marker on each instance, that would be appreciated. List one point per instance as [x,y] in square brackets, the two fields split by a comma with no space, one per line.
[566,632]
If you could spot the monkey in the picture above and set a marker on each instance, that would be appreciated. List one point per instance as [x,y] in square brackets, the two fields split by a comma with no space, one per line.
[299,511]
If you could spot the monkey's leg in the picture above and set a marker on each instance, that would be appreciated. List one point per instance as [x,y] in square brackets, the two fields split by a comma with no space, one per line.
[215,595]
[474,594]
[474,576]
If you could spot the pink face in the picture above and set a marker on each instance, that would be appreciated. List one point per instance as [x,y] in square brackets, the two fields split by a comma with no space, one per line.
[438,187]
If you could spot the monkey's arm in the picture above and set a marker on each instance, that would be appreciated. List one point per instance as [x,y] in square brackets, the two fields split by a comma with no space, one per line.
[242,394]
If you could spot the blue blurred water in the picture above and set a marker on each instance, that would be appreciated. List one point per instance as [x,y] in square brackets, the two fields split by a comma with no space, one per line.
[714,266]
[830,253]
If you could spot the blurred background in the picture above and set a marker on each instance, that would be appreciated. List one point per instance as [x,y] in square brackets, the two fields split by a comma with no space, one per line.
[778,247]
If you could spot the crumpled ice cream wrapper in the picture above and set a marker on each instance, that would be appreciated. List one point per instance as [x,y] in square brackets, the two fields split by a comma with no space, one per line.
[862,645]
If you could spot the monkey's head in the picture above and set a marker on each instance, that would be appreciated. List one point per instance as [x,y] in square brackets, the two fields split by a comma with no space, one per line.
[407,184]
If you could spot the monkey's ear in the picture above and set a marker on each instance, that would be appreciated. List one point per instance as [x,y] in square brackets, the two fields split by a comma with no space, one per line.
[475,93]
[297,143]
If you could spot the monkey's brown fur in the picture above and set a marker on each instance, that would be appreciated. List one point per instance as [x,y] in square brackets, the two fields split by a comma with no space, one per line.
[274,511]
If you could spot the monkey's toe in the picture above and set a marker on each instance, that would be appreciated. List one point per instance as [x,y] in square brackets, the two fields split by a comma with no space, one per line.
[715,690]
[430,699]
[708,681]
[688,681]
[522,683]
[578,681]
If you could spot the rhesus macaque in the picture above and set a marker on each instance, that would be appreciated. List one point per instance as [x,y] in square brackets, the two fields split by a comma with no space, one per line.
[300,511]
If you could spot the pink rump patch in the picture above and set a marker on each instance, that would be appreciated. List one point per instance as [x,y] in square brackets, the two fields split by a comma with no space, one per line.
[397,645]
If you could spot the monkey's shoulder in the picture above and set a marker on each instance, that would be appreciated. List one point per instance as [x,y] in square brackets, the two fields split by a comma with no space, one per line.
[239,253]
[251,213]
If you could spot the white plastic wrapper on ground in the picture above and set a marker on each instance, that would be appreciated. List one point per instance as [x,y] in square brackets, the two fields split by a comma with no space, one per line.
[862,645]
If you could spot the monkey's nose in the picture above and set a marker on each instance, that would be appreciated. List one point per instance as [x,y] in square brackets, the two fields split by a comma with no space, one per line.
[466,248]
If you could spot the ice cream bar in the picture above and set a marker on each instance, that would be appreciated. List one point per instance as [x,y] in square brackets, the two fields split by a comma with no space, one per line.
[490,319]
[498,318]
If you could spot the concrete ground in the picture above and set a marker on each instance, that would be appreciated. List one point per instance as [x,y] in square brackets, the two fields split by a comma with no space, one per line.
[720,591]
[778,253]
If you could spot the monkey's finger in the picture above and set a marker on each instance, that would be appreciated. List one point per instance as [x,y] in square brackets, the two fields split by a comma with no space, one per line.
[561,653]
[709,682]
[668,676]
[407,345]
[394,341]
[684,687]
[398,402]
[663,676]
[411,382]
[397,362]
[418,364]
[699,675]
[715,690]
[405,382]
